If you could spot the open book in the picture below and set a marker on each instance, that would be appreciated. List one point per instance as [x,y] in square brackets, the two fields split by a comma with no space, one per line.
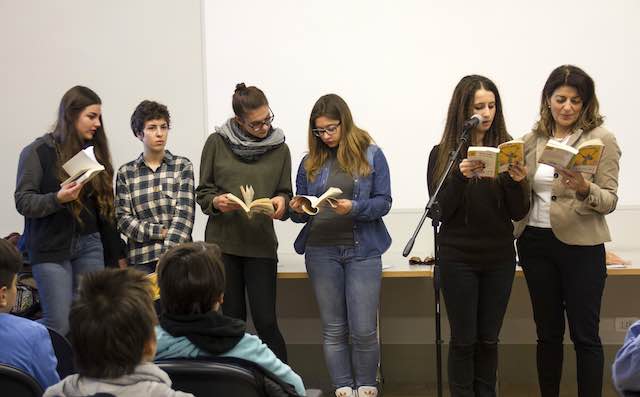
[251,206]
[82,167]
[311,204]
[497,160]
[585,158]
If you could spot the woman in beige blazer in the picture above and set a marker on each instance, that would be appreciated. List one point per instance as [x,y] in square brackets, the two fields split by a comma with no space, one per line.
[561,240]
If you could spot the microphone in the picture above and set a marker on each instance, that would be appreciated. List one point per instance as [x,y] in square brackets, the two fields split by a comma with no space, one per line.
[472,122]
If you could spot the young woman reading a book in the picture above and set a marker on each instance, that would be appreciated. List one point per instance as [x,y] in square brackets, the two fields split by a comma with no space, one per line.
[69,230]
[344,242]
[561,241]
[247,151]
[476,252]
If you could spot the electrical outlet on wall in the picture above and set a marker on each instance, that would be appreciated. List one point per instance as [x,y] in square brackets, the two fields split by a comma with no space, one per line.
[623,323]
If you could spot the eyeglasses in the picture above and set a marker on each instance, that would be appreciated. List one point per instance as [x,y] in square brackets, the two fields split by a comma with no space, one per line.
[415,260]
[329,130]
[257,125]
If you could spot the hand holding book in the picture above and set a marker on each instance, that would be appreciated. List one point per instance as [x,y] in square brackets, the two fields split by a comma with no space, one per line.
[574,181]
[224,204]
[69,192]
[279,206]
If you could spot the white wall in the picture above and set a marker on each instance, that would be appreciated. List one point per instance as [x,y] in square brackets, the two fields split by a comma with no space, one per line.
[396,64]
[126,51]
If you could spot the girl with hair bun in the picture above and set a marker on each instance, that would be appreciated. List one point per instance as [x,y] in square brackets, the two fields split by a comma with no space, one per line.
[247,150]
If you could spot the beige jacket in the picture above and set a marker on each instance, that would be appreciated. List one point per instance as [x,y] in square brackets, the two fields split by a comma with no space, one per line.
[577,220]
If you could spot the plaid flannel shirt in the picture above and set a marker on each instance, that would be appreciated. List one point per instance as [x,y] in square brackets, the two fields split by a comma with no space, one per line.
[148,201]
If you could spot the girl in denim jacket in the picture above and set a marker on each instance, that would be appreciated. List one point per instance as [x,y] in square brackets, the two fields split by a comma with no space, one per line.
[344,242]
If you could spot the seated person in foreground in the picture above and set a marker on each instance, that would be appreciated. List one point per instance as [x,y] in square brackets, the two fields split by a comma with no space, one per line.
[191,279]
[112,332]
[626,367]
[25,345]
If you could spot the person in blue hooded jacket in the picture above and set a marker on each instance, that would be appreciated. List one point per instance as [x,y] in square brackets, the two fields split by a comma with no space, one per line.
[343,243]
[626,367]
[191,278]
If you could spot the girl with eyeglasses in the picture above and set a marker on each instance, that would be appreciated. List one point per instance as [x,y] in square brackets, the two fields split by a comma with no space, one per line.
[343,245]
[475,242]
[247,150]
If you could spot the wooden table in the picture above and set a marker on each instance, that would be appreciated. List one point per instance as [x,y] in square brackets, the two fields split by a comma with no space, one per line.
[291,266]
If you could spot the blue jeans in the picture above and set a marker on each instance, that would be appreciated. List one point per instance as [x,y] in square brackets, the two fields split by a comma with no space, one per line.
[58,282]
[347,290]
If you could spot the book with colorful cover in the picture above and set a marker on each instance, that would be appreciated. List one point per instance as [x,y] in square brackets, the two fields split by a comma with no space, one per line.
[497,160]
[584,158]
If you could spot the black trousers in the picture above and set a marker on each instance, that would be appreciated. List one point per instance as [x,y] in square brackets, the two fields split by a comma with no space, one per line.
[258,277]
[563,279]
[476,298]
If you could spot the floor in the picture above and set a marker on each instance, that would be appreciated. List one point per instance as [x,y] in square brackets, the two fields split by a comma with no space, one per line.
[504,390]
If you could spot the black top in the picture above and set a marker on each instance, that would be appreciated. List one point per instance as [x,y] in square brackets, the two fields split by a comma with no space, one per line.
[49,225]
[476,215]
[327,227]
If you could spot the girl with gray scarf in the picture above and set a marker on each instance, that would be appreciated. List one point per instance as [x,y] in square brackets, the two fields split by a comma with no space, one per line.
[247,150]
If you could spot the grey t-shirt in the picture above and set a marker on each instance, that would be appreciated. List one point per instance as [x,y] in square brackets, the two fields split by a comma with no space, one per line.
[329,228]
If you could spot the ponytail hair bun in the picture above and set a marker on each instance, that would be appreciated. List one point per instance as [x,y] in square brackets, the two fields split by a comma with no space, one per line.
[246,99]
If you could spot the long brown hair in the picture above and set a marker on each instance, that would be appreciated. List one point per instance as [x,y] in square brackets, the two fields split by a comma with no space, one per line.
[577,78]
[354,141]
[68,143]
[461,109]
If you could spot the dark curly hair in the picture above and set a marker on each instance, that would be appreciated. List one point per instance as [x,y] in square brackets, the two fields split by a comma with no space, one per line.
[145,111]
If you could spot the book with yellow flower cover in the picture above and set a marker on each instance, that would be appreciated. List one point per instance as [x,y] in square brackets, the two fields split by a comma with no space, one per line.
[497,160]
[584,158]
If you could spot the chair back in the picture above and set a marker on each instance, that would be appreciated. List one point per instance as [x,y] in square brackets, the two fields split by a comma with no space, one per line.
[15,382]
[224,376]
[64,353]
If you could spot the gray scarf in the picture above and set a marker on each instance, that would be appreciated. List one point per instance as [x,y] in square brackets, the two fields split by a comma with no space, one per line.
[246,146]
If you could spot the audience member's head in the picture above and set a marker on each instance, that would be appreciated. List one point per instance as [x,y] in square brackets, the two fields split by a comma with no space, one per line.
[10,264]
[191,279]
[112,323]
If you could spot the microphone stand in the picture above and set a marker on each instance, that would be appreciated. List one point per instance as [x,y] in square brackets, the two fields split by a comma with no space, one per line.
[432,211]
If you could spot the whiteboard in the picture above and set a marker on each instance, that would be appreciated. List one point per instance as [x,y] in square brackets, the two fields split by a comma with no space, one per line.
[396,64]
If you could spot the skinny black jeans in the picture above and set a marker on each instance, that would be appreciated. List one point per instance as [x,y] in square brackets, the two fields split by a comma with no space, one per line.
[258,277]
[563,279]
[476,297]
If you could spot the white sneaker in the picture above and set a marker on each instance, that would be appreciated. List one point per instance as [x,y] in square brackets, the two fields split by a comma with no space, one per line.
[367,391]
[345,392]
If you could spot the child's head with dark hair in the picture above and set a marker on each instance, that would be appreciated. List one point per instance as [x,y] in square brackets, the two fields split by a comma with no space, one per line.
[10,264]
[148,111]
[112,323]
[191,278]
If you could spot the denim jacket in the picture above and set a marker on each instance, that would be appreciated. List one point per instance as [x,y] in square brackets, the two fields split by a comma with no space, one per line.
[371,201]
